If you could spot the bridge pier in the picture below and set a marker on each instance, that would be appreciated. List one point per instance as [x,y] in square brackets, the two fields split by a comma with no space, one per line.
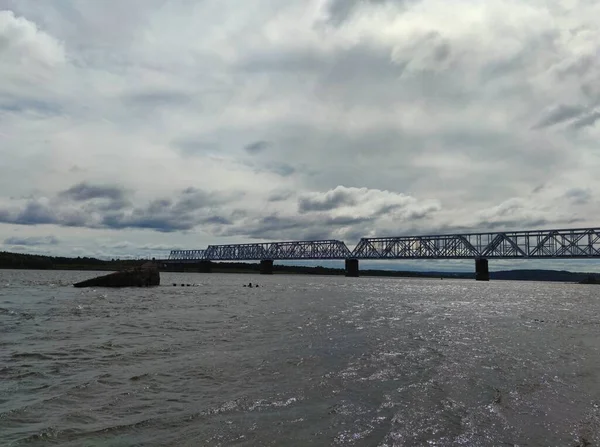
[266,267]
[352,268]
[482,272]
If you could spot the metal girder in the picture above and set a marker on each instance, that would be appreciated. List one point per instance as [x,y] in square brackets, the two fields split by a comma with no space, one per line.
[187,255]
[326,249]
[571,243]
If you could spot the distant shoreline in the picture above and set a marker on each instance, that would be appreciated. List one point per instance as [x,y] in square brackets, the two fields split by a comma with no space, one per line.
[20,261]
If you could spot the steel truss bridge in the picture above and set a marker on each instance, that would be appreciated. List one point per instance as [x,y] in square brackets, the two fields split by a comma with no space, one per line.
[538,244]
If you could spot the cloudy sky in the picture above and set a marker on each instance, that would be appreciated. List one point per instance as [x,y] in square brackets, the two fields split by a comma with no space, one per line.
[130,127]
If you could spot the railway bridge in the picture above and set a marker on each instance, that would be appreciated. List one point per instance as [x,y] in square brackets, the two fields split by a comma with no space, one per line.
[582,243]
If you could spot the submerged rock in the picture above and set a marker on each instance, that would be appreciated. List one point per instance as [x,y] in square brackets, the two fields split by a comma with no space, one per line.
[144,276]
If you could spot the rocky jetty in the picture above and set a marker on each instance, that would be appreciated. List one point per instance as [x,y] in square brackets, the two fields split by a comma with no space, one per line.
[144,276]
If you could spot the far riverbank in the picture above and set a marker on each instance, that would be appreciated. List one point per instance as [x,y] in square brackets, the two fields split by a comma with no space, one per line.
[38,262]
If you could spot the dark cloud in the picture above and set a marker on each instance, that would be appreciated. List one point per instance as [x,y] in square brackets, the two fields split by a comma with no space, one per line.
[278,227]
[111,205]
[280,196]
[84,191]
[538,188]
[420,213]
[31,241]
[191,208]
[282,62]
[23,104]
[521,214]
[76,218]
[560,114]
[275,222]
[579,196]
[407,211]
[348,220]
[192,199]
[35,213]
[76,169]
[319,215]
[368,72]
[326,202]
[339,11]
[278,168]
[289,234]
[192,146]
[586,121]
[282,169]
[144,219]
[77,207]
[270,227]
[385,209]
[157,98]
[579,66]
[256,147]
[217,220]
[239,214]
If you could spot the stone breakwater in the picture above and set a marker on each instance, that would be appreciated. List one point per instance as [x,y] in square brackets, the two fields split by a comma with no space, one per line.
[146,275]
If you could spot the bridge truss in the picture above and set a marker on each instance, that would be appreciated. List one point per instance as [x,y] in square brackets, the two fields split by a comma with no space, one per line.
[326,249]
[571,243]
[579,243]
[186,255]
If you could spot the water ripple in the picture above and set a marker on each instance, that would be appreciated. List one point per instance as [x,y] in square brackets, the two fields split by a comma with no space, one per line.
[321,361]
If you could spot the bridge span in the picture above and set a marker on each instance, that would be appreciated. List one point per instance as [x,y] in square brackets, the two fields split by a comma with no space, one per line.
[581,243]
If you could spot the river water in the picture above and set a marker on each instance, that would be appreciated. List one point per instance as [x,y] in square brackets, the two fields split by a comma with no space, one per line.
[299,361]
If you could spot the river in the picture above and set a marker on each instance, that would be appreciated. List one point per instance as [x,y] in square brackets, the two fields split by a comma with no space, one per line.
[298,361]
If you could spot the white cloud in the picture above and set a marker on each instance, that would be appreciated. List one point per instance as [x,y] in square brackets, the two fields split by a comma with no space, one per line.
[442,114]
[25,46]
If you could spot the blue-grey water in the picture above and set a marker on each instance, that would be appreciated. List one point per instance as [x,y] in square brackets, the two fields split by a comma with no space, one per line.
[302,360]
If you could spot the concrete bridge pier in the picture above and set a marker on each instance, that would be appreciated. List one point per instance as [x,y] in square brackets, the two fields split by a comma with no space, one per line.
[482,272]
[352,268]
[266,267]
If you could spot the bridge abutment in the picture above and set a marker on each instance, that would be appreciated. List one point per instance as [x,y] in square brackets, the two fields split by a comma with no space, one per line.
[482,272]
[266,267]
[351,269]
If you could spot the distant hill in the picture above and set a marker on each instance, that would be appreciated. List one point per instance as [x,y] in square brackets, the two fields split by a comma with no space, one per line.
[38,262]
